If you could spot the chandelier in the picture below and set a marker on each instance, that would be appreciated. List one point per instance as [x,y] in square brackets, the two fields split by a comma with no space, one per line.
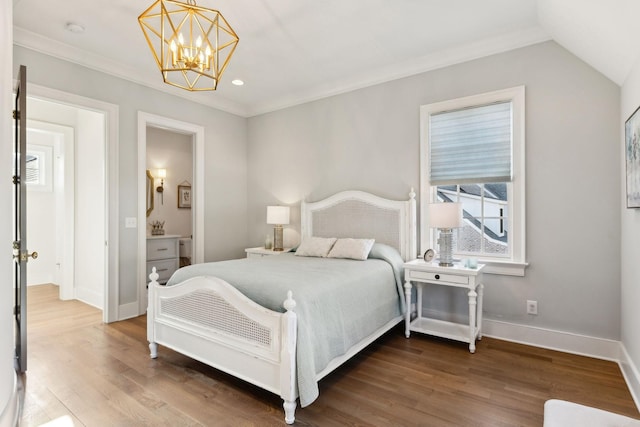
[192,45]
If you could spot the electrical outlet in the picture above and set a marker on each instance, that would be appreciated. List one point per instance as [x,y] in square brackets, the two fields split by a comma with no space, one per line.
[532,307]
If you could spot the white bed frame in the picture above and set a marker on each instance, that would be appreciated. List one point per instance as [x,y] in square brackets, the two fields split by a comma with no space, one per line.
[208,320]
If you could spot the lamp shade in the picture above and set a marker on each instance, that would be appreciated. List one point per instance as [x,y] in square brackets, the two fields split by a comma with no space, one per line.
[162,173]
[278,215]
[445,215]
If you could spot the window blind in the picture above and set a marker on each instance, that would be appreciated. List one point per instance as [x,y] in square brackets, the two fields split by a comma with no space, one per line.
[33,169]
[471,145]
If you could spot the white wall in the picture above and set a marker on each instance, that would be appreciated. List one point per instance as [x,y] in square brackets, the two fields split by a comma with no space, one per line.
[41,215]
[90,209]
[369,140]
[225,157]
[8,391]
[630,244]
[174,152]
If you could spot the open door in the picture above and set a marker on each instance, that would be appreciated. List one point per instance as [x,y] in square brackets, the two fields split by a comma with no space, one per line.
[20,252]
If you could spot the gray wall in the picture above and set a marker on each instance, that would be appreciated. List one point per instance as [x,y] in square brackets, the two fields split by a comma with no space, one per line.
[630,242]
[225,152]
[369,140]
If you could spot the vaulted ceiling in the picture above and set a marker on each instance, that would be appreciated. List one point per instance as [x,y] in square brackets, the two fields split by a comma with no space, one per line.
[294,51]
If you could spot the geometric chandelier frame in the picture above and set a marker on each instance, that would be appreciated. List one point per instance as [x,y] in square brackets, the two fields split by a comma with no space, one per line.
[192,45]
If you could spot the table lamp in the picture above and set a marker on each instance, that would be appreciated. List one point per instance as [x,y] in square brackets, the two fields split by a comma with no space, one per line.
[445,217]
[277,216]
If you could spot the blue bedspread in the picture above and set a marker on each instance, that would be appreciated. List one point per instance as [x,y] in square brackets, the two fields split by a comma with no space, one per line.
[339,301]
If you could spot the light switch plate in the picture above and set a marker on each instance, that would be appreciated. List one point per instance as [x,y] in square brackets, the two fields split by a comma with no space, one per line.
[130,222]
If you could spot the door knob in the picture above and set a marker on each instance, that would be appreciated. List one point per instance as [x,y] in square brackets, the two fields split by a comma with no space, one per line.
[25,256]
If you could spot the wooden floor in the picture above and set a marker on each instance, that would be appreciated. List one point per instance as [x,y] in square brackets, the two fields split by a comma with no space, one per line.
[91,374]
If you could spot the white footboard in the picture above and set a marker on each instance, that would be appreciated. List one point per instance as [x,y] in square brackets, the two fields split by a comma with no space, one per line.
[209,320]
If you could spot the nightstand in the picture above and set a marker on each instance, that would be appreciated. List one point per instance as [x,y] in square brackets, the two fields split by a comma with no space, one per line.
[163,254]
[422,273]
[259,252]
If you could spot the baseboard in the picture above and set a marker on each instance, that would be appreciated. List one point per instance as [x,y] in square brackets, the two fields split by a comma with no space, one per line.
[567,342]
[9,416]
[631,375]
[127,311]
[90,297]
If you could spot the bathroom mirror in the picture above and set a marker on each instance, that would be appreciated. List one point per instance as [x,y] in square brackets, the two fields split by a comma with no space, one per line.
[149,192]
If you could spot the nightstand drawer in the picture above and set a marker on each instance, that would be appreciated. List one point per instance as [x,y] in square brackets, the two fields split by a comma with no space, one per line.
[162,248]
[438,277]
[250,255]
[164,268]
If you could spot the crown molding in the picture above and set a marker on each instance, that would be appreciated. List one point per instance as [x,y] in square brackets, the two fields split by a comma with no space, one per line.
[441,59]
[47,46]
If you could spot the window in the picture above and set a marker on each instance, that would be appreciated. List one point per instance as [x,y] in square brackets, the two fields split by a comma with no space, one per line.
[39,167]
[472,152]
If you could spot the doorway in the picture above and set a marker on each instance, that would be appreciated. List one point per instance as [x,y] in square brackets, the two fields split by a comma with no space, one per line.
[196,134]
[90,271]
[67,199]
[50,194]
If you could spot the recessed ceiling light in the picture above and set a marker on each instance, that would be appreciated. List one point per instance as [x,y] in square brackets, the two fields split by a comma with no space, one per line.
[237,82]
[74,28]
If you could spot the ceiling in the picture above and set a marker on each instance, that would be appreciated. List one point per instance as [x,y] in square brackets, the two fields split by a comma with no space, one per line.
[295,51]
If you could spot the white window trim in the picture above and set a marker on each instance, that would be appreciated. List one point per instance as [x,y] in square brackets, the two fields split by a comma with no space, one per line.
[516,263]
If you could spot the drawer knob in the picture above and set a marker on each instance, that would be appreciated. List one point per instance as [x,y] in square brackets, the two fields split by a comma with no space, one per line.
[438,276]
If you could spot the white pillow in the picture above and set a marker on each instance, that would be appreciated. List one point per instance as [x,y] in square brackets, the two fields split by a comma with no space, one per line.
[315,246]
[352,248]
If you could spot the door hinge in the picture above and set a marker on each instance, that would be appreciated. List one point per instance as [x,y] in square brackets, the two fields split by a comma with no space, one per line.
[16,115]
[16,179]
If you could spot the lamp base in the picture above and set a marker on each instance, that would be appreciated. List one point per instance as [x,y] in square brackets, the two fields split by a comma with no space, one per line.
[445,241]
[278,238]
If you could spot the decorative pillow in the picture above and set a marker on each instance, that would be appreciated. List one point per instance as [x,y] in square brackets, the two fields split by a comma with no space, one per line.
[352,248]
[315,246]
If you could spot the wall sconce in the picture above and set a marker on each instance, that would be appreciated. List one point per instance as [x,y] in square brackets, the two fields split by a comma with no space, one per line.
[162,174]
[278,216]
[445,217]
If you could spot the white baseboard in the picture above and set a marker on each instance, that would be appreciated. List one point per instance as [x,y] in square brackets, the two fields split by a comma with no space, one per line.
[631,375]
[11,412]
[567,342]
[91,297]
[127,311]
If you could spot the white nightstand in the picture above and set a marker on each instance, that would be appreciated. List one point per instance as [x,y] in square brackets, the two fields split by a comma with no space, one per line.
[164,255]
[421,273]
[259,252]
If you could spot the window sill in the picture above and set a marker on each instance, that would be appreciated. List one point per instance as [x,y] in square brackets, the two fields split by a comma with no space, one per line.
[504,268]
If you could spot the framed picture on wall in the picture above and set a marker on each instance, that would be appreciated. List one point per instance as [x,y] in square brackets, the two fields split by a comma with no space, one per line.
[184,196]
[632,157]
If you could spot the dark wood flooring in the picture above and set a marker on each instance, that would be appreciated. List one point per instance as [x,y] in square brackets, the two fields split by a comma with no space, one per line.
[88,373]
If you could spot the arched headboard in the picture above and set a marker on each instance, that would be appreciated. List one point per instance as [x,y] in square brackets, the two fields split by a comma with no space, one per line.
[361,215]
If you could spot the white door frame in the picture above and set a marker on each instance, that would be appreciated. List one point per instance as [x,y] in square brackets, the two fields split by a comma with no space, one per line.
[197,204]
[110,111]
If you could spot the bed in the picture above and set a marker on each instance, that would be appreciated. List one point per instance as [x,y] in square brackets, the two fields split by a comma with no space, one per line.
[279,343]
